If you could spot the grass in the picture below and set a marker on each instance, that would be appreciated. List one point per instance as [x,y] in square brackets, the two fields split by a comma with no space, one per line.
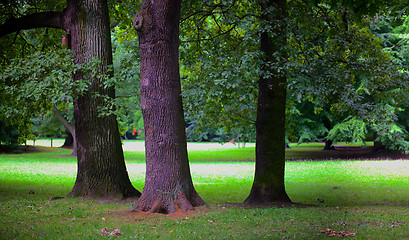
[368,198]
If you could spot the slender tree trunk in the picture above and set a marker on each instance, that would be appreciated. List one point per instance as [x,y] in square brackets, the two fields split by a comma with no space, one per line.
[101,166]
[268,185]
[168,182]
[329,145]
[70,128]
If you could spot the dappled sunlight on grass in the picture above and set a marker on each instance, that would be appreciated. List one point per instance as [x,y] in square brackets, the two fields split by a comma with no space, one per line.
[231,179]
[368,198]
[348,182]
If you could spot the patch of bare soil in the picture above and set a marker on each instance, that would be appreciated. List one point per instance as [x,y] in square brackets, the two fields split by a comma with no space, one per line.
[350,153]
[139,216]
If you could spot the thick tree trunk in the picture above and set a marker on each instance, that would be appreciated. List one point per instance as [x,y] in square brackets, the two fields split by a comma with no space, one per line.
[168,183]
[101,166]
[268,186]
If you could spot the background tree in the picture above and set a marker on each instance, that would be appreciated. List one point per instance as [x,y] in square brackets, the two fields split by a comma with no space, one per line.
[71,139]
[168,183]
[340,66]
[268,185]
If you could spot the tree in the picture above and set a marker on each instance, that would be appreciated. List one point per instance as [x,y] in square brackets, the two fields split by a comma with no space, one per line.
[101,166]
[268,185]
[221,83]
[168,182]
[339,66]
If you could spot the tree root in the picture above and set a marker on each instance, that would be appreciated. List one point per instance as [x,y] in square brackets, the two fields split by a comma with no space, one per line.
[167,204]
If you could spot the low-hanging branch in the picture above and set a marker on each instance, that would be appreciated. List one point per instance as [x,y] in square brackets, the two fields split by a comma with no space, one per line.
[36,20]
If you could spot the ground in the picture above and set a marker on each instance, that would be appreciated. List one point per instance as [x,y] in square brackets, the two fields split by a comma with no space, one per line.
[345,153]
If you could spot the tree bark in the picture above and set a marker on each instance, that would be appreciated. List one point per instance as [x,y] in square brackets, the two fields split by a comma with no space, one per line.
[101,166]
[168,183]
[268,186]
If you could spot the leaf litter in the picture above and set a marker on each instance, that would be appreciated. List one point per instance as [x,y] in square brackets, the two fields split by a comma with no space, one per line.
[333,233]
[107,232]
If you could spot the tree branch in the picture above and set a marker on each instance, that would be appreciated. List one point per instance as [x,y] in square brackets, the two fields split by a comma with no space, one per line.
[64,121]
[36,20]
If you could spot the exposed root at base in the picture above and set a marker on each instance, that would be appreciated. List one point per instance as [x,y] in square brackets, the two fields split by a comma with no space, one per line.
[166,205]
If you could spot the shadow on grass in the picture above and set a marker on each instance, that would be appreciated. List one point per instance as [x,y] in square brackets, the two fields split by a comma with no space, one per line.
[314,153]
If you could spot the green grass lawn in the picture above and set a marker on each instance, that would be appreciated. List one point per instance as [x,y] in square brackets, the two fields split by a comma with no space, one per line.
[366,198]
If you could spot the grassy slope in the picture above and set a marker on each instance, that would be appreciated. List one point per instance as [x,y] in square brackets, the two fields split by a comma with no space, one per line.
[369,198]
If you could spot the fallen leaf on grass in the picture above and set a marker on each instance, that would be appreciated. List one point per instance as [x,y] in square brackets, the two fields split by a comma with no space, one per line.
[340,223]
[333,233]
[106,232]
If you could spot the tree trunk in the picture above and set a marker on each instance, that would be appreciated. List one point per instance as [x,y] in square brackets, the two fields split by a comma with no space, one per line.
[378,146]
[71,131]
[268,186]
[328,145]
[168,182]
[69,140]
[101,166]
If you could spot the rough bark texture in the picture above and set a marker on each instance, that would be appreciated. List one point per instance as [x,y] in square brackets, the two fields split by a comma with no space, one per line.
[168,183]
[268,186]
[101,166]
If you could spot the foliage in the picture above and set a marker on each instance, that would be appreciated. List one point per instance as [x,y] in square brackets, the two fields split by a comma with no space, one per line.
[126,68]
[19,53]
[305,121]
[336,65]
[350,130]
[339,66]
[48,126]
[31,85]
[9,137]
[23,43]
[219,57]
